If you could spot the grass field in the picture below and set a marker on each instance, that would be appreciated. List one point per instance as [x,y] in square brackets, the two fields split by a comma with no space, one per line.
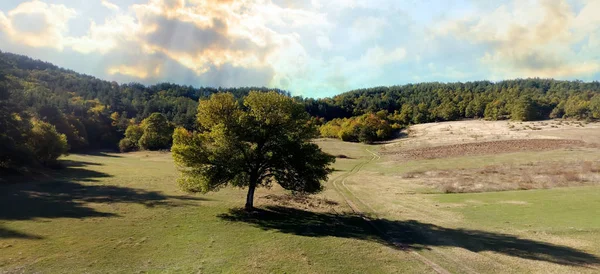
[124,213]
[550,230]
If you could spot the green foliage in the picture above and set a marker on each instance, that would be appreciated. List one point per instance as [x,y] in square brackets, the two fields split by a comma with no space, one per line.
[525,109]
[577,107]
[367,128]
[120,121]
[447,111]
[495,110]
[595,107]
[93,113]
[157,133]
[264,140]
[133,134]
[46,143]
[127,145]
[71,127]
[15,127]
[430,102]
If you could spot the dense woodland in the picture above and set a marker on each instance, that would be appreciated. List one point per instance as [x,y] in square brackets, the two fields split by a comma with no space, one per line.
[46,111]
[87,112]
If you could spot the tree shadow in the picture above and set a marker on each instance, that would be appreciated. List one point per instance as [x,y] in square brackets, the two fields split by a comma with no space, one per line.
[69,196]
[8,233]
[73,163]
[101,153]
[411,235]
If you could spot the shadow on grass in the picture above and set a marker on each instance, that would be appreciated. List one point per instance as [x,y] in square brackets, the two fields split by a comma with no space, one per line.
[69,194]
[407,234]
[7,233]
[101,153]
[73,163]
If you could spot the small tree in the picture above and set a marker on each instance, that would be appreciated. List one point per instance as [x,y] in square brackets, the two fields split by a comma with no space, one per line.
[132,138]
[157,132]
[265,140]
[46,143]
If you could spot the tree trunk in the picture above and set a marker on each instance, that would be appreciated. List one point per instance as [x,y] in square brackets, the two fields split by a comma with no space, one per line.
[250,197]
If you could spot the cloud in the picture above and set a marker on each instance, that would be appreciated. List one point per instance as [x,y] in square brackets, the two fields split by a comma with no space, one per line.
[324,42]
[110,5]
[367,28]
[537,40]
[140,71]
[37,24]
[116,32]
[377,56]
[312,48]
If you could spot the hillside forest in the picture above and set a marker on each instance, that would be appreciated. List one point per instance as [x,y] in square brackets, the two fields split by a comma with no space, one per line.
[47,111]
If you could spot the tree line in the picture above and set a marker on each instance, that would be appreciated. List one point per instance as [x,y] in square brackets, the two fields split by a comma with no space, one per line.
[399,106]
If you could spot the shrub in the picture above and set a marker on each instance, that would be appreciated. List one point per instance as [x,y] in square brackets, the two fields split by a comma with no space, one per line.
[157,133]
[46,143]
[134,133]
[367,128]
[127,145]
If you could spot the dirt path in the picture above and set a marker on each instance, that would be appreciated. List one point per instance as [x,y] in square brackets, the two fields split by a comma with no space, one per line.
[344,191]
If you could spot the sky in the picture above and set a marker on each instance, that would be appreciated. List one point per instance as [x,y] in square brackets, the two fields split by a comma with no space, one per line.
[312,48]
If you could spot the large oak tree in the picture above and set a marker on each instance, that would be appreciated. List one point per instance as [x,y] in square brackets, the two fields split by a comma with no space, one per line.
[263,140]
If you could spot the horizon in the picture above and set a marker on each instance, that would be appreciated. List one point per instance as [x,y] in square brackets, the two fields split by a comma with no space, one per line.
[312,49]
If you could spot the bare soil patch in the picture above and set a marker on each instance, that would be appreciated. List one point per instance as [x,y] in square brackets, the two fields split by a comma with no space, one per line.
[538,175]
[481,148]
[300,201]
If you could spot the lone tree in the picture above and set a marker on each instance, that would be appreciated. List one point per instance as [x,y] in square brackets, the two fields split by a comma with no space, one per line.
[263,140]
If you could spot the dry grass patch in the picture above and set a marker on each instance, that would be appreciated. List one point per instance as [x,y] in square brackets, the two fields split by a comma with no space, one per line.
[540,175]
[300,201]
[481,148]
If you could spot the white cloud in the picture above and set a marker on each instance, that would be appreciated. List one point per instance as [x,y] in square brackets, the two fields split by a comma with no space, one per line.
[376,56]
[37,24]
[367,28]
[109,5]
[536,40]
[324,42]
[114,33]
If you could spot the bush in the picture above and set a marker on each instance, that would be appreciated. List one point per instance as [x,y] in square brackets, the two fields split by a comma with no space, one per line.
[134,133]
[127,145]
[46,143]
[157,133]
[367,128]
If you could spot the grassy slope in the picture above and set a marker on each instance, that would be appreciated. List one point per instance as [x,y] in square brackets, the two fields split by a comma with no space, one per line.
[541,231]
[562,217]
[125,214]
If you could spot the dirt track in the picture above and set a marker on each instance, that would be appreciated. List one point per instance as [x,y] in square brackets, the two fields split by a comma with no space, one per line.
[482,148]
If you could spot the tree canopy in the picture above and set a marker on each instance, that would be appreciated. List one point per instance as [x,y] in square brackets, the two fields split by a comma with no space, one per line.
[263,140]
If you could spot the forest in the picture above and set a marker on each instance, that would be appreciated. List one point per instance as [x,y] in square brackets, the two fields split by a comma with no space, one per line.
[372,114]
[47,111]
